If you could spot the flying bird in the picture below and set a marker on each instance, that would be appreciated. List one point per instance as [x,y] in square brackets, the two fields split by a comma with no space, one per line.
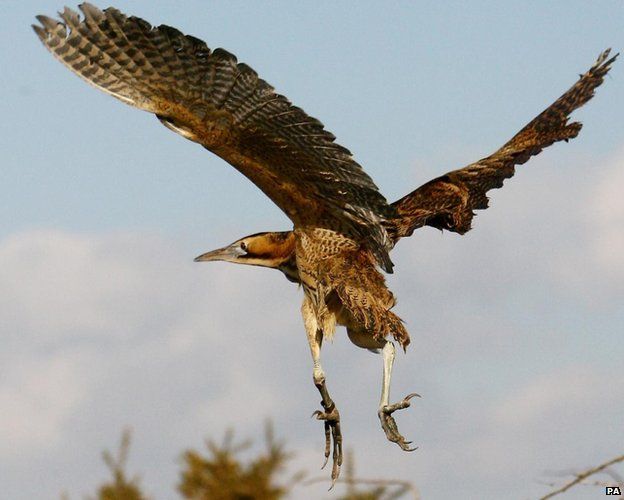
[343,227]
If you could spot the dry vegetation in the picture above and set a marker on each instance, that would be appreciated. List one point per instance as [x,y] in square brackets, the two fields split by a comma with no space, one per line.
[232,470]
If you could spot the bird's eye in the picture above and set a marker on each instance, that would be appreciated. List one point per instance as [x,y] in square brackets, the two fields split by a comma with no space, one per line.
[243,246]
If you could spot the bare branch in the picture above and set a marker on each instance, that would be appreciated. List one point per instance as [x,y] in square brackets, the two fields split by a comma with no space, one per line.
[580,477]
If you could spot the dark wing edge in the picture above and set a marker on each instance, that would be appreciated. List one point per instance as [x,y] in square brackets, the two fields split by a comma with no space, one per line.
[448,202]
[210,98]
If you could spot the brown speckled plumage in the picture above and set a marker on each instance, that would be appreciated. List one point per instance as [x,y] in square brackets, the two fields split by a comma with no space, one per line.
[343,227]
[210,98]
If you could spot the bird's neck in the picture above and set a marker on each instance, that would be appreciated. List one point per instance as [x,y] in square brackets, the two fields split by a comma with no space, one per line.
[289,268]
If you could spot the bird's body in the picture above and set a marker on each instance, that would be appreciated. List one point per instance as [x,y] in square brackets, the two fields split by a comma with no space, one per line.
[343,228]
[345,287]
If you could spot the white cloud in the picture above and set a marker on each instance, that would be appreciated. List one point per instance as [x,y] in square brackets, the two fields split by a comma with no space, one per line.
[37,395]
[59,286]
[606,204]
[592,264]
[570,391]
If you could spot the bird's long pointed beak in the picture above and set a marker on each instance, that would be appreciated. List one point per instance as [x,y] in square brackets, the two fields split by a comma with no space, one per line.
[225,253]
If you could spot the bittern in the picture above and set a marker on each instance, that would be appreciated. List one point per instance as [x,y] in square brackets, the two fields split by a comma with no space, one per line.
[343,228]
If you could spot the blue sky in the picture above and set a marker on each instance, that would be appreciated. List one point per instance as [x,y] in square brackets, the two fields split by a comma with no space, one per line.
[516,327]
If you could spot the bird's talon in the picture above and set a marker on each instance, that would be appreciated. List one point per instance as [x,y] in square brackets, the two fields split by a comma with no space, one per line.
[334,476]
[389,425]
[333,439]
[331,416]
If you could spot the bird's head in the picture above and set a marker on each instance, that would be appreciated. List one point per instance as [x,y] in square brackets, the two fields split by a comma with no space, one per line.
[274,249]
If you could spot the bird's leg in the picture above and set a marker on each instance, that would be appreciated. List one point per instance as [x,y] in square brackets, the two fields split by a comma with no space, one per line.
[385,409]
[329,415]
[331,419]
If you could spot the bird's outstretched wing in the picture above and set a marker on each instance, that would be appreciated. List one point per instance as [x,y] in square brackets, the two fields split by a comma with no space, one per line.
[210,98]
[447,202]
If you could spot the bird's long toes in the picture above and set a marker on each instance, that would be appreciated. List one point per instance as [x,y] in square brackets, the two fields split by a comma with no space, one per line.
[337,453]
[328,416]
[389,425]
[333,441]
[401,405]
[334,475]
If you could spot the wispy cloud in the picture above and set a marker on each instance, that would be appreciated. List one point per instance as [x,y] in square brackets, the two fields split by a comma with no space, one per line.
[38,393]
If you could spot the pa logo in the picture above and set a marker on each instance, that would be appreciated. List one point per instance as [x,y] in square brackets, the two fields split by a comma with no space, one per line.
[613,490]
